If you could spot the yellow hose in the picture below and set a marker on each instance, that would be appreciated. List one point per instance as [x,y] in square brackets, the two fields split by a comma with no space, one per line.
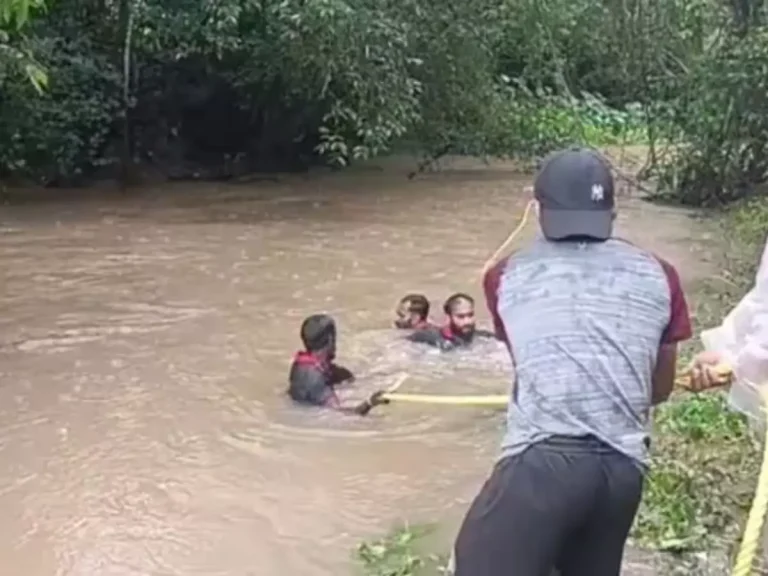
[512,235]
[753,531]
[462,400]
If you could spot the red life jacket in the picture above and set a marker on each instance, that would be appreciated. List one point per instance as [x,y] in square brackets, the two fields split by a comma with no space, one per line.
[308,359]
[304,358]
[448,333]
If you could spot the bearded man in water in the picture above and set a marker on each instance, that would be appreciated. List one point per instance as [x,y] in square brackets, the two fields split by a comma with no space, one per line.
[459,330]
[592,325]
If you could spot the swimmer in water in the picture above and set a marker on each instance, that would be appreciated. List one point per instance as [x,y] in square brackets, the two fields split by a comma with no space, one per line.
[412,312]
[459,330]
[314,375]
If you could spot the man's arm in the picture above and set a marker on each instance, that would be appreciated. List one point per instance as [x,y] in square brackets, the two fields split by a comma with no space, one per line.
[345,407]
[663,380]
[491,283]
[678,329]
[315,390]
[429,336]
[339,374]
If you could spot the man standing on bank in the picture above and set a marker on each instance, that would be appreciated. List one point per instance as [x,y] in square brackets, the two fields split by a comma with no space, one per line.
[592,325]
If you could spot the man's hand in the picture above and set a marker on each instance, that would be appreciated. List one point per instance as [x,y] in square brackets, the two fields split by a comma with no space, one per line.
[376,399]
[706,372]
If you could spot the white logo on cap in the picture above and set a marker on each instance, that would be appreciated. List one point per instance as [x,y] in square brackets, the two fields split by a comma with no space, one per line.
[597,193]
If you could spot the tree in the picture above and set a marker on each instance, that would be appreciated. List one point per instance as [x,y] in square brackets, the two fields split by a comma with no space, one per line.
[14,15]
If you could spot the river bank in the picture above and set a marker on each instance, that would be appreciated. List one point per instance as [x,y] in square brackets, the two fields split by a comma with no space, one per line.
[705,459]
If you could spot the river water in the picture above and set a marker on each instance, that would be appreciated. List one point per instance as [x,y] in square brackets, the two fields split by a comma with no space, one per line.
[144,347]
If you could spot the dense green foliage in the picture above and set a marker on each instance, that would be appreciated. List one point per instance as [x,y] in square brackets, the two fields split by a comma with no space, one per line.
[218,88]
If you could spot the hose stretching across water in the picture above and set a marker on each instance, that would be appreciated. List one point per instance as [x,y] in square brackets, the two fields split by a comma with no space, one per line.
[461,400]
[753,530]
[495,400]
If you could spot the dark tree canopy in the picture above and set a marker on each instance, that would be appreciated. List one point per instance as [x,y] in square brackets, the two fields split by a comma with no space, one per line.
[223,88]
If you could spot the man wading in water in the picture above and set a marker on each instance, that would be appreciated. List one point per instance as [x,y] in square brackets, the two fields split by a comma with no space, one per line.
[314,375]
[459,330]
[592,325]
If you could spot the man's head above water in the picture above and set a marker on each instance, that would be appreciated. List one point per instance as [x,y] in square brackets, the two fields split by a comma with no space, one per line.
[412,311]
[460,312]
[318,334]
[574,190]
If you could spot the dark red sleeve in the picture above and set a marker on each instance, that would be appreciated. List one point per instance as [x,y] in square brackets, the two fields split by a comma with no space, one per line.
[491,283]
[679,326]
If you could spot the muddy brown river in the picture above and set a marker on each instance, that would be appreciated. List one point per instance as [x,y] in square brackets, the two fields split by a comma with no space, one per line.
[144,347]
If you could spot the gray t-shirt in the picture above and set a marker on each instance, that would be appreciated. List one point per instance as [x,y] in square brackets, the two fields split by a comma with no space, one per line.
[584,322]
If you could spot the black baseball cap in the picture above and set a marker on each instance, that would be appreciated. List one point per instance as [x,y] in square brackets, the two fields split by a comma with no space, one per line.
[575,191]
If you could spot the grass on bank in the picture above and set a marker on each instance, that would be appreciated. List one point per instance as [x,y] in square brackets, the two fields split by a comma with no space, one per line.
[402,552]
[705,457]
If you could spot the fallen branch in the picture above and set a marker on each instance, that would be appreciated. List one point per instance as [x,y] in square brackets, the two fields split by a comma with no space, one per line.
[621,175]
[429,161]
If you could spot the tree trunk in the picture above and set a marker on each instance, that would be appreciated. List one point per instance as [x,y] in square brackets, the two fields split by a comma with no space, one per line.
[125,34]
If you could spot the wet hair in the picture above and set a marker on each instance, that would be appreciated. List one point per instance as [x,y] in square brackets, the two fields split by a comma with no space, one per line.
[318,332]
[454,300]
[417,304]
